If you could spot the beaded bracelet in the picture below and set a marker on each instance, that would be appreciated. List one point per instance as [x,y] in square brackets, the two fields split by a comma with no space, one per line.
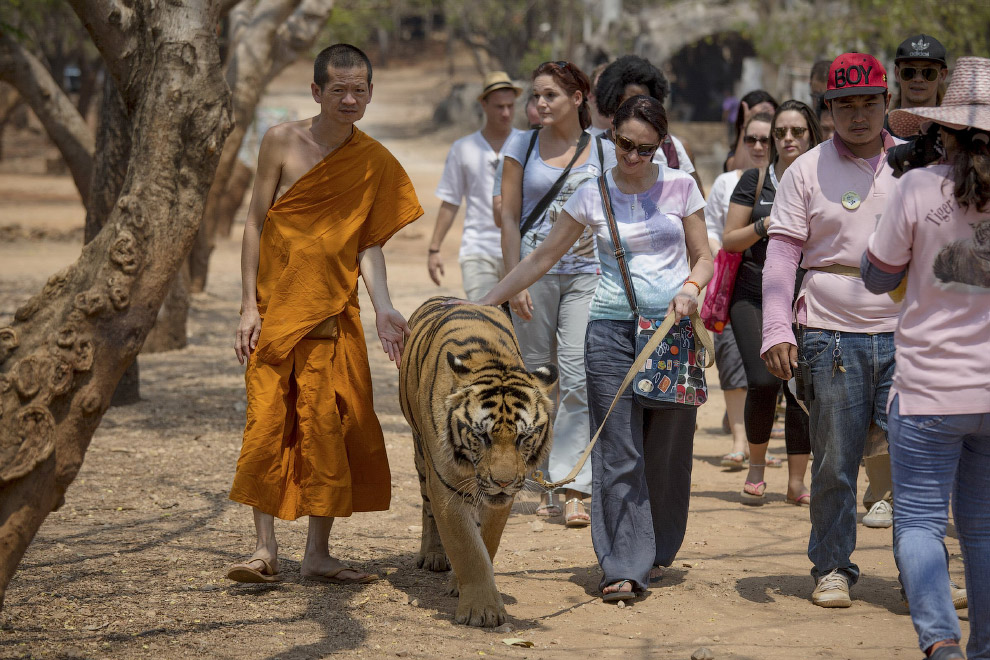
[696,285]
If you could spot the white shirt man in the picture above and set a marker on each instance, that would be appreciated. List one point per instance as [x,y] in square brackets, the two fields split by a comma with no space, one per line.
[469,173]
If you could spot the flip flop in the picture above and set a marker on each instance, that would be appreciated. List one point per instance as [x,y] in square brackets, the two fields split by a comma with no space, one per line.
[800,500]
[331,577]
[656,578]
[243,572]
[774,462]
[735,460]
[756,497]
[616,596]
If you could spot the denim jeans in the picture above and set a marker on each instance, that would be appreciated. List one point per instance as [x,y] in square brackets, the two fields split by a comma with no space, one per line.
[933,457]
[844,404]
[641,464]
[560,318]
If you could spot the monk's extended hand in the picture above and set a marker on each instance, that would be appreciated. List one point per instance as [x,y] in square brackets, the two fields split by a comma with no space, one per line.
[392,331]
[248,331]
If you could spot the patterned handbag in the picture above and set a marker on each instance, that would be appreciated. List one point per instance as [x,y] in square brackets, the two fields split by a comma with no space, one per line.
[671,366]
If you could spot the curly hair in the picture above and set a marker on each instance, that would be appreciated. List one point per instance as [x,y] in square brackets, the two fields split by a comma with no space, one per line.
[628,70]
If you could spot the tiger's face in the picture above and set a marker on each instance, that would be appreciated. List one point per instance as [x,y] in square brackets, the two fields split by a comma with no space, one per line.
[499,425]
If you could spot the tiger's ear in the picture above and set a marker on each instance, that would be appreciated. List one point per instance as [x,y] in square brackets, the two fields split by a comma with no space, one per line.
[458,367]
[546,375]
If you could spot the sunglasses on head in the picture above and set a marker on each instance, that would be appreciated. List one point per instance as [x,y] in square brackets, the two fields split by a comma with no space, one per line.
[560,64]
[908,73]
[752,139]
[644,150]
[797,131]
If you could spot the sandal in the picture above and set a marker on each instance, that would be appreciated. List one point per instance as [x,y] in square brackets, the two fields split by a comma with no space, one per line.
[774,461]
[735,460]
[617,595]
[801,500]
[548,510]
[575,514]
[753,494]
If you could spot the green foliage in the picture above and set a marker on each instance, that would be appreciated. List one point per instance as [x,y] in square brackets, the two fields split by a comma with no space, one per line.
[817,29]
[355,22]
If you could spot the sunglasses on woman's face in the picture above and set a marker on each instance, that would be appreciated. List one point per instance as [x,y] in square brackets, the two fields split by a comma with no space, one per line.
[797,131]
[751,140]
[644,150]
[908,73]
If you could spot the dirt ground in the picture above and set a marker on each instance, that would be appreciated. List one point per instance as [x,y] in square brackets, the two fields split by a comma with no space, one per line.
[133,565]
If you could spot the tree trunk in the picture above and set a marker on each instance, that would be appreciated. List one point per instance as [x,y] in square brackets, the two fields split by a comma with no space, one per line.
[113,134]
[68,346]
[169,331]
[63,123]
[237,188]
[275,35]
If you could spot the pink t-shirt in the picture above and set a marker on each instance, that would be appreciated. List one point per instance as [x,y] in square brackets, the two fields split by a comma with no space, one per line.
[943,336]
[810,208]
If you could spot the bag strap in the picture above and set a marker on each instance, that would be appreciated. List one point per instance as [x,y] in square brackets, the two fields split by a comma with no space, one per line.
[669,150]
[551,194]
[760,180]
[532,143]
[706,341]
[619,251]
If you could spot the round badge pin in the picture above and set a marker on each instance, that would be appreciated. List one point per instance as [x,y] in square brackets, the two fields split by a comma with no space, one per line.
[851,200]
[645,386]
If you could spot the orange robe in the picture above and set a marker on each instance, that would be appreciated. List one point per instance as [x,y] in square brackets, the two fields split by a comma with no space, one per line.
[312,443]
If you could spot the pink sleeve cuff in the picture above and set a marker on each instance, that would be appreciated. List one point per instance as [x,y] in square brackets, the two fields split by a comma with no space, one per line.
[883,266]
[779,272]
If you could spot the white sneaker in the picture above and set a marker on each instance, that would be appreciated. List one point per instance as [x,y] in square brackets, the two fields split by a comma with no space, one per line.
[832,591]
[881,515]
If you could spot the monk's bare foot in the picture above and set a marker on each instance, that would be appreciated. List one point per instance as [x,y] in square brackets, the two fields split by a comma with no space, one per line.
[329,569]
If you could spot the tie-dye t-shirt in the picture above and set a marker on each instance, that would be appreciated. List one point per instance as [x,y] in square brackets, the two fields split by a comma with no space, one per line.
[651,229]
[538,178]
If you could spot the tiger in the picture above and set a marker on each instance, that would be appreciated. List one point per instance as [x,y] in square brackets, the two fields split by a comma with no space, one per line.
[481,422]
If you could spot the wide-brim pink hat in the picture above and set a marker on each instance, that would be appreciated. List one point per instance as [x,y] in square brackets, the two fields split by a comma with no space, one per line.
[966,103]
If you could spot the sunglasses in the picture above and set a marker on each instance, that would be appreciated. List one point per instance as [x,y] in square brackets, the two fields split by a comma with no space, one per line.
[797,131]
[908,73]
[560,64]
[750,140]
[644,150]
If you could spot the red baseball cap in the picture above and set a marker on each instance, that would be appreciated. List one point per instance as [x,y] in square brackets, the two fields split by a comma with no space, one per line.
[855,73]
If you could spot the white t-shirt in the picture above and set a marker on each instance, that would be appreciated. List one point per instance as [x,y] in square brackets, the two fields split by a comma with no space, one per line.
[717,208]
[684,162]
[470,173]
[651,229]
[538,178]
[943,334]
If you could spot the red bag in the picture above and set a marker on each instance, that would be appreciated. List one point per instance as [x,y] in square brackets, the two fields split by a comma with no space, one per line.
[715,311]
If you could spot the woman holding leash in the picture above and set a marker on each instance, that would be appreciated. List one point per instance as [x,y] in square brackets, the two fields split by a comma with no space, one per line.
[642,467]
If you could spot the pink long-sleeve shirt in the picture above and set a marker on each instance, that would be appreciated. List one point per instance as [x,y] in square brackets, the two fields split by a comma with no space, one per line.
[809,216]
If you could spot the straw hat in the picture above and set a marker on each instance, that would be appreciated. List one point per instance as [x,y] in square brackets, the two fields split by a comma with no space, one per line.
[966,103]
[495,80]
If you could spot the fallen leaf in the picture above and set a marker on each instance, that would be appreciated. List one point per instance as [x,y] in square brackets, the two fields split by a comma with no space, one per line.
[515,641]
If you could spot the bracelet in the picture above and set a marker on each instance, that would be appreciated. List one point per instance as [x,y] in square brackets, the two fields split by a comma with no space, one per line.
[432,251]
[696,285]
[760,227]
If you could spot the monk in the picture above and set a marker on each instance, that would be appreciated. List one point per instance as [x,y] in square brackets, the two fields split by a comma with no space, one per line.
[326,198]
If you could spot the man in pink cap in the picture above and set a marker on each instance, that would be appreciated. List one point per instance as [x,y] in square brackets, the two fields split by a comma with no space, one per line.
[827,205]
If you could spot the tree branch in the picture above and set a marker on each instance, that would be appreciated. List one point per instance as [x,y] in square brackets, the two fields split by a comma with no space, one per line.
[59,116]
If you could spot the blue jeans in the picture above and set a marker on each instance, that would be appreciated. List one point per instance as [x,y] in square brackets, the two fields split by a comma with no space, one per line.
[844,405]
[931,458]
[641,464]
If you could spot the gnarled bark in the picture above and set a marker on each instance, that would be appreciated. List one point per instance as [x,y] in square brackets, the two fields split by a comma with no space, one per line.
[267,40]
[68,345]
[59,116]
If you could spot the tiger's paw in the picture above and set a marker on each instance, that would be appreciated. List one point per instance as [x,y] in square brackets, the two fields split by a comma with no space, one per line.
[453,589]
[433,561]
[481,612]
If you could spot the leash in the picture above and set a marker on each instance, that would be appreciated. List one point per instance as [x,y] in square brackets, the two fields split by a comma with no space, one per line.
[706,341]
